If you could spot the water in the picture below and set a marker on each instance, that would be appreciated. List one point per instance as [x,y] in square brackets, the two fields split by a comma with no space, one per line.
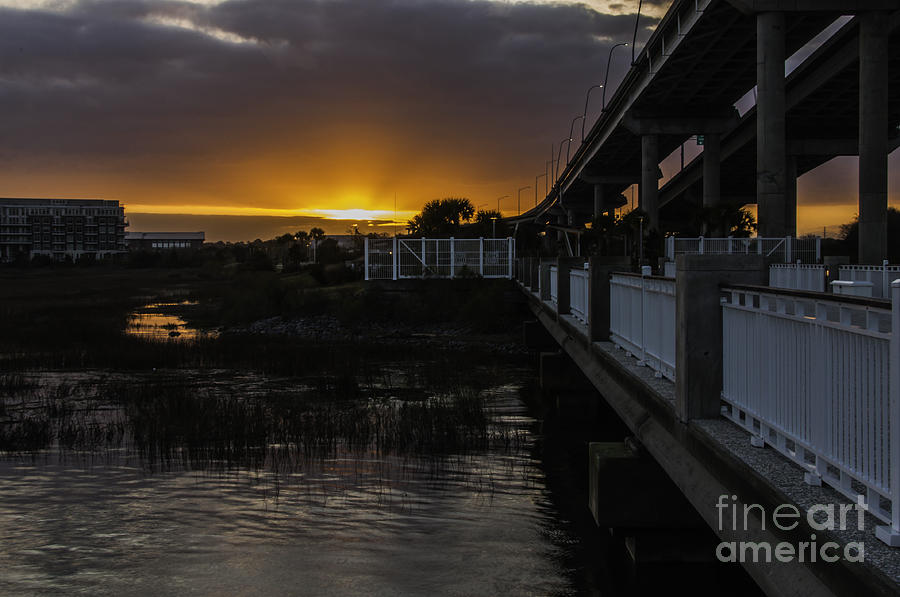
[160,321]
[351,524]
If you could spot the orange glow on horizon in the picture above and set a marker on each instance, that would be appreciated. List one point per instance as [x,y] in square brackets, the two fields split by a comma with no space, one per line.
[358,214]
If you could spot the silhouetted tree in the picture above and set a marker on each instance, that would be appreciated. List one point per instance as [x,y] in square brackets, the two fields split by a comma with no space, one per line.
[441,217]
[726,220]
[485,224]
[850,237]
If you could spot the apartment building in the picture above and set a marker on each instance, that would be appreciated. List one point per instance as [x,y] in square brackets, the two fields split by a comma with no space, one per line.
[60,228]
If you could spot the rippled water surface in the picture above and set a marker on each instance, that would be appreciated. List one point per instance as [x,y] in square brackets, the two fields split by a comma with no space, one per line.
[160,321]
[480,524]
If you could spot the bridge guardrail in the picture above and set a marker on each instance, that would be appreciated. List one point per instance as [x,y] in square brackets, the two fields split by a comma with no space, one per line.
[642,319]
[797,276]
[879,275]
[579,293]
[810,377]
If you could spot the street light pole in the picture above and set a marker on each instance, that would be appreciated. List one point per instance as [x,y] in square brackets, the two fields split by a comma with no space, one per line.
[606,76]
[571,129]
[584,116]
[536,179]
[637,19]
[559,155]
[548,168]
[498,202]
[519,198]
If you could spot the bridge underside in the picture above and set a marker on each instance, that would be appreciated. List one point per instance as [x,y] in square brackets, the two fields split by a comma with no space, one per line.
[693,72]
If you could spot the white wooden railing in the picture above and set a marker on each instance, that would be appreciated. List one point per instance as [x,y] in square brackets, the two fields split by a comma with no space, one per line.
[810,377]
[579,292]
[642,319]
[879,275]
[797,276]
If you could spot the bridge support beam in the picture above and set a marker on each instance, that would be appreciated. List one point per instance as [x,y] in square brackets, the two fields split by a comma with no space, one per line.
[873,137]
[698,325]
[559,374]
[771,146]
[536,337]
[628,489]
[649,191]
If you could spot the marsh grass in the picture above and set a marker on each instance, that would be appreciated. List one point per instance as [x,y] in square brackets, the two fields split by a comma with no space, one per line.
[171,423]
[361,397]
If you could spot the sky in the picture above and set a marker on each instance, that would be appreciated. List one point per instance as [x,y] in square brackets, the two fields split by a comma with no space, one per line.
[204,114]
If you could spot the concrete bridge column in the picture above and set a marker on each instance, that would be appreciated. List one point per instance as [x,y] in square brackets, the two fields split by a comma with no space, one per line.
[790,197]
[649,190]
[873,137]
[712,177]
[712,166]
[598,200]
[771,146]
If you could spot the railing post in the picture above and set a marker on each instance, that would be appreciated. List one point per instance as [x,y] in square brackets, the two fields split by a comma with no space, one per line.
[891,534]
[646,270]
[424,258]
[564,267]
[452,257]
[366,259]
[788,257]
[481,256]
[509,252]
[700,246]
[396,258]
[544,280]
[598,296]
[698,329]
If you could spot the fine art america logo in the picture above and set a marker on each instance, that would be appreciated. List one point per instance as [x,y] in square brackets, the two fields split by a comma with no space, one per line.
[787,517]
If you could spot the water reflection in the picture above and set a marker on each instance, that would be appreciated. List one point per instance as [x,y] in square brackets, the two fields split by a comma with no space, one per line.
[161,321]
[349,524]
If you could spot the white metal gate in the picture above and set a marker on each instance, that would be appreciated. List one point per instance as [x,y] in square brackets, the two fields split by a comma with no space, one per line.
[404,258]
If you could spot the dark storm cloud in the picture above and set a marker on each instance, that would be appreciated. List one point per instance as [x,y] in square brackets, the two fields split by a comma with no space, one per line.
[107,81]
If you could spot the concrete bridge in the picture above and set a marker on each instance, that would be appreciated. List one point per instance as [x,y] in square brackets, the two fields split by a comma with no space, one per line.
[705,56]
[752,400]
